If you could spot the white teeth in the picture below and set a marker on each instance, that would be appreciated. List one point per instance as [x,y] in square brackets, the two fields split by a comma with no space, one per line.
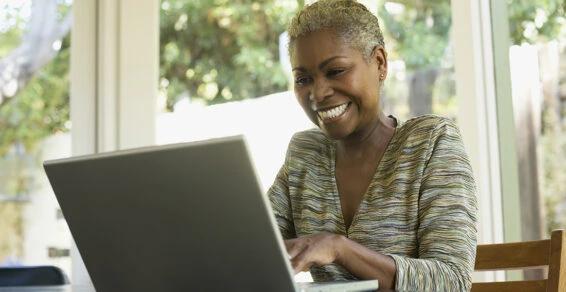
[332,113]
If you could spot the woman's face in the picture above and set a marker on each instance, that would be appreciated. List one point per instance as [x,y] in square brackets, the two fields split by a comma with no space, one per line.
[337,88]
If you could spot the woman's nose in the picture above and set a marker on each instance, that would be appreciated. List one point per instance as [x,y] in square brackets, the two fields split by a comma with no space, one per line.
[320,90]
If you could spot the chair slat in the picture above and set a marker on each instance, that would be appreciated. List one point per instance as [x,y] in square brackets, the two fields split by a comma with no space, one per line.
[512,255]
[557,266]
[510,286]
[547,253]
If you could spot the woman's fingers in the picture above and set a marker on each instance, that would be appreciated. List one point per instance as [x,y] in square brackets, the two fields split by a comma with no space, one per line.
[308,250]
[296,251]
[300,262]
[292,246]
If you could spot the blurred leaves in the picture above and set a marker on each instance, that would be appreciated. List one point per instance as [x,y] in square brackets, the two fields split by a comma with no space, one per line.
[420,34]
[213,51]
[417,32]
[532,21]
[216,51]
[553,156]
[42,107]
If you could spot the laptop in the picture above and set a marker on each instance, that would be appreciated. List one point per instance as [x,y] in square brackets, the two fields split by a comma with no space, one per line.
[179,217]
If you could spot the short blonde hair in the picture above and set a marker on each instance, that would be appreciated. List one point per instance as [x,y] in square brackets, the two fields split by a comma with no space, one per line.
[347,19]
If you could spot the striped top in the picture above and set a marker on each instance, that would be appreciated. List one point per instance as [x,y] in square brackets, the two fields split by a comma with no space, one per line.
[420,207]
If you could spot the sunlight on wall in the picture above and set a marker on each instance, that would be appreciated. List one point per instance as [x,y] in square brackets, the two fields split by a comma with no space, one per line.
[267,122]
[43,228]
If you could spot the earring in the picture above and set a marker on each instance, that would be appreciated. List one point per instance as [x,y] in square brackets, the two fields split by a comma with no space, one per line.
[381,76]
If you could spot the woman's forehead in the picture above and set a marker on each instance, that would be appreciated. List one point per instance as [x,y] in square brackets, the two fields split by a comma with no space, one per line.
[320,39]
[318,44]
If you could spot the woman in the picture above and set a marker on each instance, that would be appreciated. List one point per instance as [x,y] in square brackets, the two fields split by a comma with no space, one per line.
[364,195]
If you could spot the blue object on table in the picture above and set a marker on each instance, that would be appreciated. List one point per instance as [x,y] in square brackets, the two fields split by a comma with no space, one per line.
[32,276]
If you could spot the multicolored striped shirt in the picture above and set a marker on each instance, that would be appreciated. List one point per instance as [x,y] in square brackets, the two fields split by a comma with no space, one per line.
[420,207]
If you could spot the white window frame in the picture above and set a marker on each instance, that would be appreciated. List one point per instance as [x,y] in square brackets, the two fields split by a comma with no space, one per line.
[481,52]
[114,75]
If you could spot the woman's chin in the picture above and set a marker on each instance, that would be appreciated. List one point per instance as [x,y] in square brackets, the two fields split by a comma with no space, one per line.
[335,134]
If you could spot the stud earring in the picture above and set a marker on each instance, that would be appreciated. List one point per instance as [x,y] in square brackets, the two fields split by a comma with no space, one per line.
[381,76]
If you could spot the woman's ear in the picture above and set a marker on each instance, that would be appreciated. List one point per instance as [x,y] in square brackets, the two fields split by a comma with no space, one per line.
[380,56]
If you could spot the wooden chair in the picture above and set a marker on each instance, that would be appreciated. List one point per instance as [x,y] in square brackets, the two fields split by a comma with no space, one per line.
[549,254]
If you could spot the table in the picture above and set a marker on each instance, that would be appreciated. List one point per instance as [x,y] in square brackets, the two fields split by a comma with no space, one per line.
[62,288]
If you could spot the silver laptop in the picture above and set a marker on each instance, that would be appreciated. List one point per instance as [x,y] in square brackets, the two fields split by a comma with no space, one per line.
[181,217]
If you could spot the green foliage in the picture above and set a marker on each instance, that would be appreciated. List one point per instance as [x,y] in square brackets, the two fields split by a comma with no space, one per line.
[532,21]
[10,40]
[11,28]
[419,34]
[553,158]
[211,50]
[217,51]
[41,108]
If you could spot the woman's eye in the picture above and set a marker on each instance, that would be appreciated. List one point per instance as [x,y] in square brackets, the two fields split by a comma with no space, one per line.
[335,72]
[301,80]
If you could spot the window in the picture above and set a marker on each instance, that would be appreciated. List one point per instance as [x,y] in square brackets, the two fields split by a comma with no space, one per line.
[34,122]
[538,62]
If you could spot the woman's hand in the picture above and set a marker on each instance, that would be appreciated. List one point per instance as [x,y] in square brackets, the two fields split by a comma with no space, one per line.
[327,248]
[319,248]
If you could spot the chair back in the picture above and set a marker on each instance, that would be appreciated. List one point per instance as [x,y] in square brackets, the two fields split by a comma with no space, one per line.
[549,254]
[32,276]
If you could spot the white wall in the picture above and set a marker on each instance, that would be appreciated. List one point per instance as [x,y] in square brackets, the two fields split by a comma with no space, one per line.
[114,72]
[267,122]
[41,228]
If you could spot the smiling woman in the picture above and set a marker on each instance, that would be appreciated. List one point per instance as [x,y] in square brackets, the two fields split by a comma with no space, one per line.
[324,64]
[367,195]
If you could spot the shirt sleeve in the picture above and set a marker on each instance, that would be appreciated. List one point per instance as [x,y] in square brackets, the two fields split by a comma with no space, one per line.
[447,220]
[280,200]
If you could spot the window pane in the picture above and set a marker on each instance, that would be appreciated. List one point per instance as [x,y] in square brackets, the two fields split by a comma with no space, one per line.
[34,126]
[223,72]
[421,68]
[538,77]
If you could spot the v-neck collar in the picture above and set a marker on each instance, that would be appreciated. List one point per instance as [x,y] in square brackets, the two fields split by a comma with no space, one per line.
[376,177]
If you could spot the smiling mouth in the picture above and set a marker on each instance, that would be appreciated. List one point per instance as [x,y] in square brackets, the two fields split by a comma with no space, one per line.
[333,112]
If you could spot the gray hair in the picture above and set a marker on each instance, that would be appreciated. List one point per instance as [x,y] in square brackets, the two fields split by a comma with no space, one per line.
[347,19]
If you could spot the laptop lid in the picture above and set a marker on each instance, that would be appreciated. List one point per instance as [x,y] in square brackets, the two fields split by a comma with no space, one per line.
[187,216]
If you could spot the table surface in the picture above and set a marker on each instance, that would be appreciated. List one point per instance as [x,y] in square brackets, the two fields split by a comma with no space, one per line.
[67,288]
[62,288]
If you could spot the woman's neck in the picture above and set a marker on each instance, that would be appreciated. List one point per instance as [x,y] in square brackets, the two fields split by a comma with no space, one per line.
[368,144]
